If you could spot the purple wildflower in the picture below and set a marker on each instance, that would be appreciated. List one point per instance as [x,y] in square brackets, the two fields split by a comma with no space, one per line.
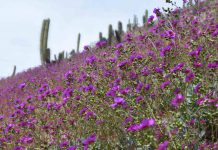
[72,148]
[164,84]
[144,124]
[150,19]
[163,146]
[213,64]
[26,139]
[91,139]
[19,148]
[122,63]
[197,88]
[157,11]
[22,85]
[170,34]
[164,50]
[139,98]
[118,101]
[196,52]
[177,100]
[64,144]
[177,67]
[91,59]
[189,77]
[147,87]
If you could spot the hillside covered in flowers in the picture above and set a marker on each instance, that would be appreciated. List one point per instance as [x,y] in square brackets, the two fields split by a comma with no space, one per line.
[157,89]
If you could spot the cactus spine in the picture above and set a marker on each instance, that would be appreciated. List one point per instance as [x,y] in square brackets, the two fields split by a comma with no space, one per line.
[78,42]
[44,51]
[110,34]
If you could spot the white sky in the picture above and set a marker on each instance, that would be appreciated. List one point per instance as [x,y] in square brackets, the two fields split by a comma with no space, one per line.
[21,20]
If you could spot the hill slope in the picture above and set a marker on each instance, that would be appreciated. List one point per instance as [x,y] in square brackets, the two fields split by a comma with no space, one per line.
[156,89]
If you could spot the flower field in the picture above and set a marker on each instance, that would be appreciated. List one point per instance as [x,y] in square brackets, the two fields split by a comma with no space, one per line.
[158,89]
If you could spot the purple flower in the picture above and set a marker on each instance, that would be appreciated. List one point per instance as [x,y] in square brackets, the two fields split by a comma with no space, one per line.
[125,91]
[164,50]
[91,59]
[118,101]
[147,87]
[197,88]
[90,114]
[22,85]
[157,11]
[91,139]
[213,64]
[144,124]
[163,146]
[177,100]
[177,67]
[139,87]
[150,19]
[122,63]
[189,77]
[164,84]
[196,52]
[19,148]
[139,98]
[72,148]
[64,144]
[170,34]
[26,139]
[1,117]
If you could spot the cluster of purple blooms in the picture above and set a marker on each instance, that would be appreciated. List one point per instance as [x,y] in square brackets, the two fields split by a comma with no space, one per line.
[155,88]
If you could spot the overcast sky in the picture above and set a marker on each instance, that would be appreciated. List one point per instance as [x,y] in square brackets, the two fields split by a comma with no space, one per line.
[21,20]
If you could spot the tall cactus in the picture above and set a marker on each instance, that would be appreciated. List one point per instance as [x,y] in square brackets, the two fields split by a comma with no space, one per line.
[129,26]
[119,32]
[145,18]
[120,28]
[78,42]
[100,36]
[118,36]
[14,71]
[61,56]
[44,41]
[110,34]
[47,55]
[135,22]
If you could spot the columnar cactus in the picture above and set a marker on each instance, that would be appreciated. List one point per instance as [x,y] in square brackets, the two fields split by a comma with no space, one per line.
[120,28]
[78,42]
[145,18]
[119,32]
[61,56]
[100,36]
[129,26]
[47,55]
[14,71]
[135,22]
[118,36]
[44,41]
[110,34]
